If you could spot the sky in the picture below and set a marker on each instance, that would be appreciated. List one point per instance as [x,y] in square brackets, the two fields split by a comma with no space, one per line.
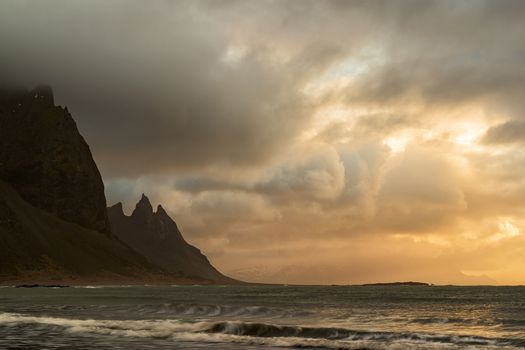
[298,141]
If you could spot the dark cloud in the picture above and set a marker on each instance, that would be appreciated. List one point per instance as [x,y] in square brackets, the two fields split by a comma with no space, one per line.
[381,124]
[161,90]
[508,132]
[442,52]
[183,85]
[275,130]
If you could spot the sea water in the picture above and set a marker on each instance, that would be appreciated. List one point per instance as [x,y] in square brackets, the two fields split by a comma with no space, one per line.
[263,317]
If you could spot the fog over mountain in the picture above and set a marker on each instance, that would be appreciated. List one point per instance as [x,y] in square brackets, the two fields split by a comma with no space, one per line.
[54,223]
[301,141]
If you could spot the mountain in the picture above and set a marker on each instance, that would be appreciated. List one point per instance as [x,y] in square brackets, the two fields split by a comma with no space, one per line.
[46,160]
[54,225]
[156,236]
[38,246]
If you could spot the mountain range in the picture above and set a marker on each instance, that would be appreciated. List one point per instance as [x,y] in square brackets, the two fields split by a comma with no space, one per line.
[54,223]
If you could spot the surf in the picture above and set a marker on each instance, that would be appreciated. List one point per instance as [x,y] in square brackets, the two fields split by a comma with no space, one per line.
[256,333]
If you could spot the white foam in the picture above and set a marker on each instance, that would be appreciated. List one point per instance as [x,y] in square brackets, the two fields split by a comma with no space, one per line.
[135,328]
[195,332]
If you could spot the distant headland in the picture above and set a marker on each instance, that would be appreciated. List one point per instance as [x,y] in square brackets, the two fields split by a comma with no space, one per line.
[411,284]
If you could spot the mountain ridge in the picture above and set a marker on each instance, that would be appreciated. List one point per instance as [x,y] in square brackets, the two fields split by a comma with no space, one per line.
[37,245]
[156,236]
[54,223]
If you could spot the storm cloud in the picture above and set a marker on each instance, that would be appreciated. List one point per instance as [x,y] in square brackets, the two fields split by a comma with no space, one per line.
[295,139]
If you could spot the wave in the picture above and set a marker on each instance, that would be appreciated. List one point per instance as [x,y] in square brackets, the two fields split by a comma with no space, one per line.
[202,310]
[183,311]
[261,334]
[136,328]
[469,321]
[269,330]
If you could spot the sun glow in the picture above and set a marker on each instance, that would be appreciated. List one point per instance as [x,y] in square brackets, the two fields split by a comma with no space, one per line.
[506,229]
[469,134]
[397,143]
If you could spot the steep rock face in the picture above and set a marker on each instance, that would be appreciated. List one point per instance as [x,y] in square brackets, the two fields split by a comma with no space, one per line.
[37,246]
[156,236]
[46,160]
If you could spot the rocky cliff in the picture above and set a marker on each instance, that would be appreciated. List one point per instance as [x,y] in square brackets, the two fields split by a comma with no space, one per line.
[53,219]
[156,236]
[36,246]
[46,160]
[54,222]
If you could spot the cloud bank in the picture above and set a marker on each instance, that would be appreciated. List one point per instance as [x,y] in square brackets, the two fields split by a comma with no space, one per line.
[301,141]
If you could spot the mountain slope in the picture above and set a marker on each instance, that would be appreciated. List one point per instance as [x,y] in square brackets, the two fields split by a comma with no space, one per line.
[54,222]
[36,245]
[46,160]
[156,236]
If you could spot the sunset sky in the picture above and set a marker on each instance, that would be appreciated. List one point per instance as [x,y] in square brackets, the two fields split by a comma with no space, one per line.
[301,141]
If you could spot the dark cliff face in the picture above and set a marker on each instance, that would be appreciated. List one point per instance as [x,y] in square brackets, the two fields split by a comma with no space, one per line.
[156,236]
[37,246]
[53,218]
[46,160]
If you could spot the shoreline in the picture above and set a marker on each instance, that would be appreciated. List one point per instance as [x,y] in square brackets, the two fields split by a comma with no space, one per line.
[112,281]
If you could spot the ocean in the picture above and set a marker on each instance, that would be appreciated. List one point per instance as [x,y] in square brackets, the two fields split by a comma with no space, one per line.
[263,317]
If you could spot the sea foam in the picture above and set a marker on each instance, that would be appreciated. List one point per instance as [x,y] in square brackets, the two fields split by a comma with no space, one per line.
[258,334]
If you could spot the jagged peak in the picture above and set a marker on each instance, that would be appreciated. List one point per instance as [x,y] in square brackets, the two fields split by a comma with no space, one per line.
[143,207]
[144,201]
[117,208]
[161,212]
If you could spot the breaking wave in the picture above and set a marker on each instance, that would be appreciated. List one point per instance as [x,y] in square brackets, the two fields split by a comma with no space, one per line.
[261,334]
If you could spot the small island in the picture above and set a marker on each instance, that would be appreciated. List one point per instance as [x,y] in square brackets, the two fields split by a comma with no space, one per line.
[395,284]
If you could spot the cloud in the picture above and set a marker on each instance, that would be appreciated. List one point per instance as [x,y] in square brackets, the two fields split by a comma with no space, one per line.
[420,192]
[336,137]
[420,177]
[319,176]
[505,133]
[162,79]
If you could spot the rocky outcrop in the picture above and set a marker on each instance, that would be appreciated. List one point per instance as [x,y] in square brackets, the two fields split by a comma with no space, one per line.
[46,160]
[156,236]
